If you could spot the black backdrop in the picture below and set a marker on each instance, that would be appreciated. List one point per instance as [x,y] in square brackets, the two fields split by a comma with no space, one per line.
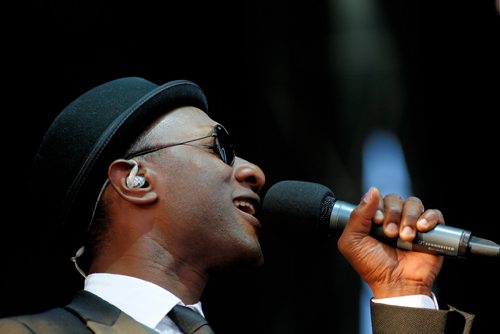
[275,75]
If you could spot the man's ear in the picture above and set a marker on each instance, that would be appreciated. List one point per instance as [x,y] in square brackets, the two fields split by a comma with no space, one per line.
[131,182]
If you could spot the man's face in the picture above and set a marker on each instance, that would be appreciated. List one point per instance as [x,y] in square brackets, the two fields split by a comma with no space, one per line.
[207,206]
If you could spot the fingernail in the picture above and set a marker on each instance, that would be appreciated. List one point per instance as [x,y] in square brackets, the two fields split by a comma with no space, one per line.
[367,196]
[379,216]
[407,232]
[392,229]
[423,223]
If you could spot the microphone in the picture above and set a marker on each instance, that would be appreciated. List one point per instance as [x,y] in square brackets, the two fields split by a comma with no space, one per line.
[306,208]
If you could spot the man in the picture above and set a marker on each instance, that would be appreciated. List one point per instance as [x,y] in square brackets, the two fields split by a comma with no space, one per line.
[156,195]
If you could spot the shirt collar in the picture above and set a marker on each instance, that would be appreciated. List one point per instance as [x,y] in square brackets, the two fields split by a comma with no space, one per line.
[144,301]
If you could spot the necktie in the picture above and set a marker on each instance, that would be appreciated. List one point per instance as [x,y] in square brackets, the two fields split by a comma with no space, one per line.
[189,321]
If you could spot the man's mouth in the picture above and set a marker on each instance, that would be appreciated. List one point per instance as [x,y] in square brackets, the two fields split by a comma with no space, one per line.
[245,205]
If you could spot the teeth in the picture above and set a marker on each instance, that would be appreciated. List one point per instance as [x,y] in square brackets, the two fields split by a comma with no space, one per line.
[245,206]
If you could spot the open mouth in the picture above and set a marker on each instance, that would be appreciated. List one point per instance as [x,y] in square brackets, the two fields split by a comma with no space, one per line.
[245,205]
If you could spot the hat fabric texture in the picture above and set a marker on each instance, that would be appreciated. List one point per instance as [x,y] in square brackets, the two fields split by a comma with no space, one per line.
[90,133]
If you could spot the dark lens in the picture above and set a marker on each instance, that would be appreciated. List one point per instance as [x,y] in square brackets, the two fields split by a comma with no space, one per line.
[224,145]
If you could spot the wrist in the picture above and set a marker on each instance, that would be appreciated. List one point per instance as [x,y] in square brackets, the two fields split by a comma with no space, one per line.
[400,289]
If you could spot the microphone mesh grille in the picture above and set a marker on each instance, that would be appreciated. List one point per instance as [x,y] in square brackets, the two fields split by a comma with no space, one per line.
[326,211]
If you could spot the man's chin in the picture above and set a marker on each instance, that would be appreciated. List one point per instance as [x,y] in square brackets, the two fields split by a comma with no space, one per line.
[242,265]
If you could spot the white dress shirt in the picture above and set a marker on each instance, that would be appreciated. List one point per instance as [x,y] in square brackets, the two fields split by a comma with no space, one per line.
[422,301]
[144,301]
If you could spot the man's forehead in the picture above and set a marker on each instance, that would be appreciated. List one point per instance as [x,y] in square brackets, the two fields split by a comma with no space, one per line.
[182,121]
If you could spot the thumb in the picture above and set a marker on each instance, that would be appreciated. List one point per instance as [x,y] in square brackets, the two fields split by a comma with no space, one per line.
[362,216]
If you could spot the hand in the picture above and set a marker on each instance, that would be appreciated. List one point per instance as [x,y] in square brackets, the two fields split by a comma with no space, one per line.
[389,271]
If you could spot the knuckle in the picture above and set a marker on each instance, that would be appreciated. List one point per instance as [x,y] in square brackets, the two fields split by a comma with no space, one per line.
[393,213]
[394,196]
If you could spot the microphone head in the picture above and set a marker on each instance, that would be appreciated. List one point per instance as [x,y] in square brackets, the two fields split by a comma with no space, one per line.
[298,208]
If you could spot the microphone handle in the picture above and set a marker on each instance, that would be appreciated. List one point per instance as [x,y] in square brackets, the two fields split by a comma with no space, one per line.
[441,240]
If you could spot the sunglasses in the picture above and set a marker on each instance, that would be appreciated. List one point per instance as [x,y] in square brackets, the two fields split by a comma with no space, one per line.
[223,145]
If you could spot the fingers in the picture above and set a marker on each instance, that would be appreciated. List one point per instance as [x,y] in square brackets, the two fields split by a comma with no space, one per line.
[403,218]
[400,218]
[393,209]
[412,210]
[429,219]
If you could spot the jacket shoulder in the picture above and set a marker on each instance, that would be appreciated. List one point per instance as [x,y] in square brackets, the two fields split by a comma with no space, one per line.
[57,321]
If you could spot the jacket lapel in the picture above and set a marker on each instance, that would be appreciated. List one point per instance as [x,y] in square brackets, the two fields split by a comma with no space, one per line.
[102,317]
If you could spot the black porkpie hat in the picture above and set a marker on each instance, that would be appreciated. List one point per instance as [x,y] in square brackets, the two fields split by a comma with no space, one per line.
[87,136]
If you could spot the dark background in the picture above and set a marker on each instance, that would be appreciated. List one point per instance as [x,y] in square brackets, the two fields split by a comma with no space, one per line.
[299,84]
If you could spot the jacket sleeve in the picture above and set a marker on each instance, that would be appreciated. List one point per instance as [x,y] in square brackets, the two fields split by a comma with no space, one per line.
[390,319]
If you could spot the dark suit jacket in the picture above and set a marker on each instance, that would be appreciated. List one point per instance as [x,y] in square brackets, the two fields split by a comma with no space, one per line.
[88,313]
